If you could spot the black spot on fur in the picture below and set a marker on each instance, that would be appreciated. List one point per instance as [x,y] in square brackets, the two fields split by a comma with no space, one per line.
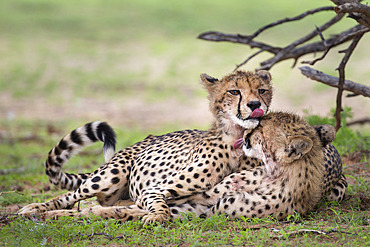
[95,186]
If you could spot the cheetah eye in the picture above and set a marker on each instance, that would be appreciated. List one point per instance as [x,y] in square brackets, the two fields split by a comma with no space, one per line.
[234,92]
[262,91]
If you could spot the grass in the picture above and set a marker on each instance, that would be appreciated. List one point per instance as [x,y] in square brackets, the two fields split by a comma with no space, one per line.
[24,147]
[59,54]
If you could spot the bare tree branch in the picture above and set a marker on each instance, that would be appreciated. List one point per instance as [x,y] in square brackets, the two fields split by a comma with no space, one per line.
[353,7]
[300,47]
[237,38]
[294,53]
[319,46]
[340,2]
[278,57]
[341,70]
[333,81]
[289,19]
[359,121]
[357,11]
[317,59]
[249,58]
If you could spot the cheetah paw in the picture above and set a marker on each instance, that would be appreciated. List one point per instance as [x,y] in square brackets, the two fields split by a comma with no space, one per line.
[154,218]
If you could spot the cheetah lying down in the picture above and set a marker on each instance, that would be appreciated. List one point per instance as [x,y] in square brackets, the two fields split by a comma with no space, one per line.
[183,170]
[293,179]
[178,164]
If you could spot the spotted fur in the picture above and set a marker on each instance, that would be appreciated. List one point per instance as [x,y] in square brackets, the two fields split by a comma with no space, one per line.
[301,167]
[200,171]
[174,165]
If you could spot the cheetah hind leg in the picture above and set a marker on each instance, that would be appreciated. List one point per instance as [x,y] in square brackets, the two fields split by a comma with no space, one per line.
[338,192]
[122,213]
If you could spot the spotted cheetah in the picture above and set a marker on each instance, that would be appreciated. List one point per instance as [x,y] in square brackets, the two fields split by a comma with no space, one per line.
[150,161]
[296,175]
[301,167]
[174,165]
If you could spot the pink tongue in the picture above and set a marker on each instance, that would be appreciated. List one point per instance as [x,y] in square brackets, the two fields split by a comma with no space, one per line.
[257,113]
[238,143]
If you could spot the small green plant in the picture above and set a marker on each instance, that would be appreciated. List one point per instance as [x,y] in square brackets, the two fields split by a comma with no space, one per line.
[347,140]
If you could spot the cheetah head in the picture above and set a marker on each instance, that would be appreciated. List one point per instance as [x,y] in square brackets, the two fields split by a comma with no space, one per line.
[282,140]
[239,98]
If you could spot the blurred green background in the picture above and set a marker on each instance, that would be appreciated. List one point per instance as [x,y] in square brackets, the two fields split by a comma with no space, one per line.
[137,63]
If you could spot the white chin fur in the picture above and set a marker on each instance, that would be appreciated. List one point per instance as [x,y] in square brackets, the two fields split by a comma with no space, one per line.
[247,124]
[254,153]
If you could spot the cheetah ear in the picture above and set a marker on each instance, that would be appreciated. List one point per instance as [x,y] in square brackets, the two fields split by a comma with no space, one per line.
[298,146]
[265,75]
[208,81]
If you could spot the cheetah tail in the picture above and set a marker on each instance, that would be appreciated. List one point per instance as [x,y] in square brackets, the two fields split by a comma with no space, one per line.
[70,145]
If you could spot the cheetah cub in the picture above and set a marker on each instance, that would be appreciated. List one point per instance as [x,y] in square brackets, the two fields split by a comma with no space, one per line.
[290,181]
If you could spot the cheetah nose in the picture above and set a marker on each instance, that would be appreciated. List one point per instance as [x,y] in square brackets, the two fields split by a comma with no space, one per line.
[254,105]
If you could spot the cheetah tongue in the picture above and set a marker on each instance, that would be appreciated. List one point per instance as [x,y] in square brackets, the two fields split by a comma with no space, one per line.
[257,113]
[238,143]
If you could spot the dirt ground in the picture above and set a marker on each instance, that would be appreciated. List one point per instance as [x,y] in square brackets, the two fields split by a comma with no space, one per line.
[136,112]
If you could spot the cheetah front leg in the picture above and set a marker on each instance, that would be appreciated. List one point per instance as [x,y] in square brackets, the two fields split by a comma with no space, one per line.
[194,178]
[154,199]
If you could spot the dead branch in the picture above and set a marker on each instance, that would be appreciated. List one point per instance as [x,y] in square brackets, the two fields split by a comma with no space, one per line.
[357,11]
[106,235]
[295,53]
[247,60]
[318,59]
[333,81]
[302,46]
[340,2]
[289,19]
[341,70]
[237,38]
[335,40]
[9,192]
[305,231]
[359,121]
[282,53]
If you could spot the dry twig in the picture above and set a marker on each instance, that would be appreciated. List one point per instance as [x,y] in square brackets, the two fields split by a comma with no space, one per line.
[10,192]
[359,121]
[106,235]
[289,19]
[341,69]
[303,231]
[332,81]
[357,11]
